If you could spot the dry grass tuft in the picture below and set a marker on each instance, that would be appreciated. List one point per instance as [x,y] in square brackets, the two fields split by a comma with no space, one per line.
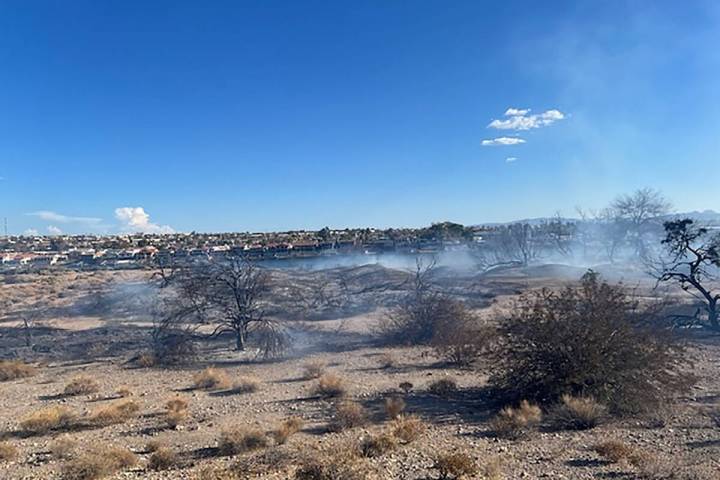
[616,451]
[211,379]
[241,440]
[341,461]
[81,386]
[330,386]
[246,385]
[289,427]
[176,411]
[408,428]
[455,465]
[406,387]
[514,423]
[146,360]
[14,369]
[314,369]
[578,413]
[8,452]
[394,406]
[117,412]
[63,447]
[444,387]
[124,392]
[378,445]
[163,458]
[49,419]
[153,446]
[348,415]
[98,463]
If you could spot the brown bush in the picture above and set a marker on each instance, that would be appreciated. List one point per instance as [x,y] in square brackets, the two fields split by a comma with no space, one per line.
[260,464]
[444,387]
[408,428]
[241,440]
[63,447]
[211,379]
[615,451]
[406,387]
[348,415]
[455,465]
[394,406]
[146,360]
[14,369]
[98,463]
[49,419]
[592,341]
[577,413]
[314,369]
[516,422]
[461,339]
[330,385]
[8,452]
[176,411]
[341,461]
[117,412]
[378,445]
[176,404]
[289,426]
[81,386]
[153,446]
[124,392]
[163,459]
[245,385]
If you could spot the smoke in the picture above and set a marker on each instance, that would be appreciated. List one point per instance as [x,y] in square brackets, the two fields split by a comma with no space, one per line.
[135,219]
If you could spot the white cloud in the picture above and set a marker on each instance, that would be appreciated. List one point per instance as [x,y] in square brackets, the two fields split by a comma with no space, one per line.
[31,232]
[53,230]
[510,159]
[502,141]
[520,120]
[135,219]
[59,218]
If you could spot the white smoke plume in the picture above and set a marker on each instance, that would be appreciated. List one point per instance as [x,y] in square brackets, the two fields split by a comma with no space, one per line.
[135,219]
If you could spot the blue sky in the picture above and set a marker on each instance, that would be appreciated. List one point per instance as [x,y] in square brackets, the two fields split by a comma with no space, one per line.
[264,115]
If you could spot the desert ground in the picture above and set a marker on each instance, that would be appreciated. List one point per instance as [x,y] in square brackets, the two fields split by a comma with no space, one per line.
[92,325]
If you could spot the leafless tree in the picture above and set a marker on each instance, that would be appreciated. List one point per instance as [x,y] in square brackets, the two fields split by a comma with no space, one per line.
[639,213]
[518,242]
[694,263]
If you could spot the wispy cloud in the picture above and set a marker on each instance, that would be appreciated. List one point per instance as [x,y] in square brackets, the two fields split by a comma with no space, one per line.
[510,159]
[495,142]
[135,219]
[520,119]
[50,216]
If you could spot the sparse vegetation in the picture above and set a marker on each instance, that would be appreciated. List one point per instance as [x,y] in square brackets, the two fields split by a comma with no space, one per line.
[314,369]
[211,379]
[348,414]
[455,465]
[577,413]
[163,458]
[517,422]
[408,428]
[245,385]
[63,447]
[48,419]
[330,385]
[615,451]
[81,385]
[288,427]
[98,463]
[117,412]
[406,387]
[8,451]
[445,387]
[341,461]
[15,369]
[394,406]
[378,445]
[176,411]
[240,440]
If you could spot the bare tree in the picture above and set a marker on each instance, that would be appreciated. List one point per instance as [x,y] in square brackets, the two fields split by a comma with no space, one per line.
[694,263]
[639,213]
[518,242]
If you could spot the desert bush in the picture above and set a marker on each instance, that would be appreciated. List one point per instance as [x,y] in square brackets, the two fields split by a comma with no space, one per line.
[408,428]
[176,411]
[591,341]
[117,412]
[406,387]
[444,387]
[394,406]
[124,392]
[288,427]
[245,385]
[378,445]
[153,446]
[163,459]
[330,385]
[81,385]
[98,463]
[211,379]
[8,451]
[577,413]
[48,419]
[314,369]
[14,369]
[63,447]
[615,451]
[260,464]
[461,338]
[177,403]
[348,415]
[240,440]
[514,423]
[341,461]
[455,465]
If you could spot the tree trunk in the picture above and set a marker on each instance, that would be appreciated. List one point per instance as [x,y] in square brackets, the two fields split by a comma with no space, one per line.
[240,340]
[714,315]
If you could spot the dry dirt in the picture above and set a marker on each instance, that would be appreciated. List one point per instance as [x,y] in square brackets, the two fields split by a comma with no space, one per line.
[70,340]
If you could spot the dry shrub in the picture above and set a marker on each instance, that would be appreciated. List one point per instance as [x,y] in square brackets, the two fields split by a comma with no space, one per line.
[211,379]
[98,463]
[124,392]
[394,406]
[14,369]
[146,360]
[49,419]
[63,447]
[245,385]
[492,469]
[348,415]
[615,451]
[81,385]
[214,473]
[289,427]
[339,462]
[241,440]
[378,445]
[444,387]
[314,369]
[330,385]
[260,464]
[153,446]
[387,360]
[117,412]
[516,422]
[455,465]
[408,428]
[667,467]
[8,452]
[460,339]
[406,387]
[176,404]
[577,413]
[176,411]
[163,459]
[593,341]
